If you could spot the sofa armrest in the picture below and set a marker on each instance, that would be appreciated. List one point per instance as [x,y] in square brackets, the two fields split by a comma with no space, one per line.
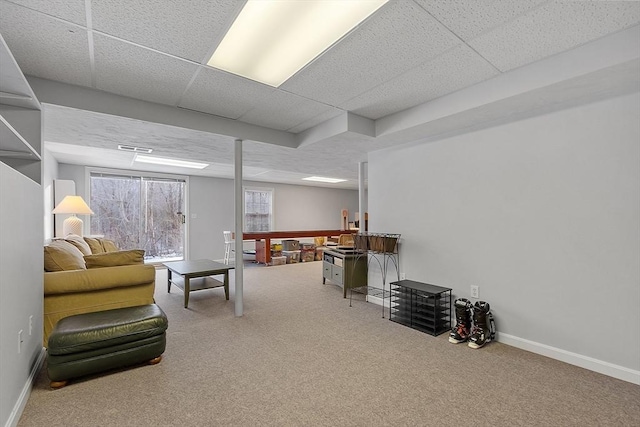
[62,282]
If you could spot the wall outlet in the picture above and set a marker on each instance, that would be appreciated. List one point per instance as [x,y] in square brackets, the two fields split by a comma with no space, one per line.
[475,291]
[403,276]
[30,325]
[19,341]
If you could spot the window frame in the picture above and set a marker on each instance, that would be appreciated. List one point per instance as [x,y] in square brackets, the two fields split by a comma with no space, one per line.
[270,190]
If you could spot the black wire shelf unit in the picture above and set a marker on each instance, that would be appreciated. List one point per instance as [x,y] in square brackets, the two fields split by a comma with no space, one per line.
[381,248]
[420,306]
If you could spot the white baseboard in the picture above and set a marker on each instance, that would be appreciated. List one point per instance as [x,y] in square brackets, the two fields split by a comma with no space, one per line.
[576,359]
[16,413]
[378,300]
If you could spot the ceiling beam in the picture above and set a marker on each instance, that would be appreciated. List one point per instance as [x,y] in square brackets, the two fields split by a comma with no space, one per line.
[589,66]
[84,98]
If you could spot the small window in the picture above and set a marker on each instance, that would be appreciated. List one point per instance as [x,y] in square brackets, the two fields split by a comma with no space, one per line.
[258,209]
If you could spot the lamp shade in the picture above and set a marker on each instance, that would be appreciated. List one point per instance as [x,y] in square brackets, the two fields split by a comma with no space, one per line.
[72,205]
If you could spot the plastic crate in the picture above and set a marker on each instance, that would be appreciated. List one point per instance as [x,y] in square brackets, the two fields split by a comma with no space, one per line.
[278,260]
[293,257]
[307,256]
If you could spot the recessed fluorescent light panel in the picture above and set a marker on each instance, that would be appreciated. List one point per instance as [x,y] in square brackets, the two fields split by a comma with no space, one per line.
[324,179]
[271,40]
[169,162]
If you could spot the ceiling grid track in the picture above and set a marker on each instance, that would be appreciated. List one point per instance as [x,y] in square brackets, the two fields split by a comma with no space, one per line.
[204,61]
[92,56]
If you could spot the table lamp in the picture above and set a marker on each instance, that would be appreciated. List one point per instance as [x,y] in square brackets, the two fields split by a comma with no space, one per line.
[73,205]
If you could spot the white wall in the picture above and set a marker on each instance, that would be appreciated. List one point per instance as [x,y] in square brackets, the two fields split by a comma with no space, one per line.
[296,207]
[542,214]
[21,292]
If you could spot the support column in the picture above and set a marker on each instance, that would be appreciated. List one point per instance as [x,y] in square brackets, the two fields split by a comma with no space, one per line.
[362,200]
[239,214]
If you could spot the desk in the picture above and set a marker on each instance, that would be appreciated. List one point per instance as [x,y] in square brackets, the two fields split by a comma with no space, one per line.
[268,235]
[194,276]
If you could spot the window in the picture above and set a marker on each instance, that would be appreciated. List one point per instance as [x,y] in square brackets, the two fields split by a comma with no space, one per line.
[258,209]
[140,212]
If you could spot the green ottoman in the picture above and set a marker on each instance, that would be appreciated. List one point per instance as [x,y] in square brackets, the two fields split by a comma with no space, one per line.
[89,343]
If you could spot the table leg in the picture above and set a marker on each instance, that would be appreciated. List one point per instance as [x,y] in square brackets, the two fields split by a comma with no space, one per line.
[168,280]
[186,291]
[267,255]
[226,284]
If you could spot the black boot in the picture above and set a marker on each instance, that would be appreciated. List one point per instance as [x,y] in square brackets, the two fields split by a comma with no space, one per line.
[462,329]
[484,329]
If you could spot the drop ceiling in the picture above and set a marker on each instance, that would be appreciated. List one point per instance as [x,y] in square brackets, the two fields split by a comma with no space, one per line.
[416,70]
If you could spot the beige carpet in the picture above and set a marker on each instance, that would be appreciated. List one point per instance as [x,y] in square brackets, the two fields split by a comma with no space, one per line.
[301,356]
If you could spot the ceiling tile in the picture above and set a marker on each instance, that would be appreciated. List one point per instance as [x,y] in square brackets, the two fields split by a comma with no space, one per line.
[397,38]
[282,110]
[223,94]
[455,69]
[185,29]
[470,18]
[70,10]
[38,53]
[553,28]
[136,72]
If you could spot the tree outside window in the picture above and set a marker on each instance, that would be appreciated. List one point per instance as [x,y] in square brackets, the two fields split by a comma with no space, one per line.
[140,212]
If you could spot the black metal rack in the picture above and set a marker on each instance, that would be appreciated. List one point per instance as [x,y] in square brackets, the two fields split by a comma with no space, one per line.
[420,306]
[383,249]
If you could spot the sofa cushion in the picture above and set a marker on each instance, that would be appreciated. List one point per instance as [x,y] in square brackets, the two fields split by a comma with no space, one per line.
[94,245]
[61,255]
[109,245]
[114,259]
[79,243]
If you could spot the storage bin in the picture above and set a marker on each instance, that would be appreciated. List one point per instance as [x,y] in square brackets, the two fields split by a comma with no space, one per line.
[278,260]
[307,256]
[293,257]
[307,246]
[290,245]
[276,253]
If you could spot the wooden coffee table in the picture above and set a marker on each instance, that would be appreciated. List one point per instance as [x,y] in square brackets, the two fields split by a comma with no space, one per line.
[196,275]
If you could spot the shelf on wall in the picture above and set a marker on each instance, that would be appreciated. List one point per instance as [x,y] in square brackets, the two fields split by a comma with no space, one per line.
[13,145]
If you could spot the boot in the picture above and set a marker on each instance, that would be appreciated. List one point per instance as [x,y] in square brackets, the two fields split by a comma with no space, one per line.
[483,325]
[462,329]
